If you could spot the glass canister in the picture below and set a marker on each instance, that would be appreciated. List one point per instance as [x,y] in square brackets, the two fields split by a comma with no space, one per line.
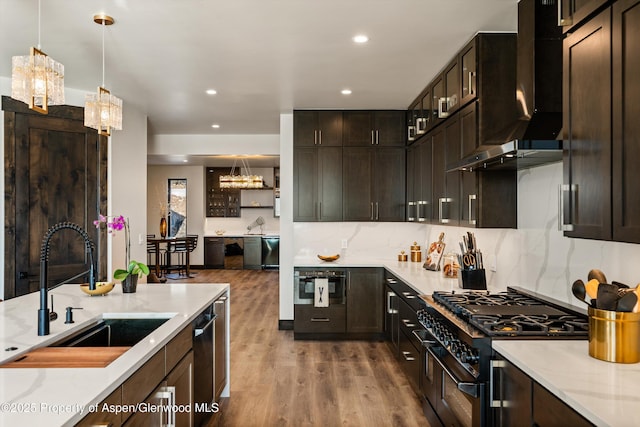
[416,253]
[450,266]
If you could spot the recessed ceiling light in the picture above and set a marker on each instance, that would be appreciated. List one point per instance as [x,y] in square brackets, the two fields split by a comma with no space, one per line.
[346,91]
[185,161]
[215,126]
[211,91]
[361,38]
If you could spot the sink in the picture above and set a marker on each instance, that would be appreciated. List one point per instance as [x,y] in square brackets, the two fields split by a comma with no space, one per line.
[94,346]
[112,332]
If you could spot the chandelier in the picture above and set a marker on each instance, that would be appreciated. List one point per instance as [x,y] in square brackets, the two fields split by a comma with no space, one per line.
[103,111]
[248,180]
[37,79]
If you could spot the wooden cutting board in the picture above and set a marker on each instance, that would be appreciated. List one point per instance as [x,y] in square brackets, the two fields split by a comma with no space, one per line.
[68,357]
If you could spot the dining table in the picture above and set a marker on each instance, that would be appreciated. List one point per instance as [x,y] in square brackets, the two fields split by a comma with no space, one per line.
[166,242]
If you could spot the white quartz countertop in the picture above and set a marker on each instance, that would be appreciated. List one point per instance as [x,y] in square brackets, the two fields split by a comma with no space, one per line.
[57,396]
[237,234]
[605,393]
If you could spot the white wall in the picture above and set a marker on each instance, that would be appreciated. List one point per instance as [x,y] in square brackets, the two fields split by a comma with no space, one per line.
[286,217]
[157,192]
[213,144]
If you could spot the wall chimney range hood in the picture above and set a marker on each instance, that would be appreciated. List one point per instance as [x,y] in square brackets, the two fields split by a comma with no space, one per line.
[533,139]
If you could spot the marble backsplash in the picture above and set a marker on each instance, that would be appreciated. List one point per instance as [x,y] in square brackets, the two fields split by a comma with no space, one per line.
[535,256]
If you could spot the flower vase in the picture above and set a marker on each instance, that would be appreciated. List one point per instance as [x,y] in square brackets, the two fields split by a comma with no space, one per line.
[129,284]
[163,227]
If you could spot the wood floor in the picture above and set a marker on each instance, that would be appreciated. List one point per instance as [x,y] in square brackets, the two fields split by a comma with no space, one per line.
[276,381]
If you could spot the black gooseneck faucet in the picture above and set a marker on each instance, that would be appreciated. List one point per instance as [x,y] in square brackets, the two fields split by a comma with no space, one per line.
[43,312]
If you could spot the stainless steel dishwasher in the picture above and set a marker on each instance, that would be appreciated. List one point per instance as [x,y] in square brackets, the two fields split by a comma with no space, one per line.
[203,359]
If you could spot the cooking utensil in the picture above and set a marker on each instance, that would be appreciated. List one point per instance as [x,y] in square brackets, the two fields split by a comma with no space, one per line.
[597,274]
[627,302]
[592,288]
[579,291]
[607,296]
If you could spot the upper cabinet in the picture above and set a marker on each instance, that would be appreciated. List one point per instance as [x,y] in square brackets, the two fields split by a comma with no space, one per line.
[317,128]
[361,178]
[368,128]
[220,202]
[572,13]
[600,190]
[471,99]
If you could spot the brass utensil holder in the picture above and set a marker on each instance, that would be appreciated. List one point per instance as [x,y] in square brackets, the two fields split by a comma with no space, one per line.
[614,336]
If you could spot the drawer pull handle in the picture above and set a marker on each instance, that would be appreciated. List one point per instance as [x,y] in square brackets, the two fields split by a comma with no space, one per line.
[408,323]
[408,295]
[320,319]
[407,356]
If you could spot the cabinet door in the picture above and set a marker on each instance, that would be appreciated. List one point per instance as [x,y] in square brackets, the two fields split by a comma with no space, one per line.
[549,411]
[573,12]
[452,179]
[330,184]
[389,184]
[468,68]
[626,126]
[181,379]
[389,129]
[305,128]
[358,129]
[440,206]
[414,115]
[413,182]
[469,137]
[357,184]
[513,389]
[425,201]
[214,252]
[305,184]
[365,300]
[587,121]
[452,86]
[427,112]
[438,101]
[313,128]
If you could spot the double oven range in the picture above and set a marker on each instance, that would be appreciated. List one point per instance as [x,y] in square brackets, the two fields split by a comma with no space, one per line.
[455,379]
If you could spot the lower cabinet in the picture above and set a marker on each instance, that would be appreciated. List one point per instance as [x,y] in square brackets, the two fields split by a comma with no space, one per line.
[220,349]
[213,252]
[165,379]
[308,319]
[365,300]
[519,400]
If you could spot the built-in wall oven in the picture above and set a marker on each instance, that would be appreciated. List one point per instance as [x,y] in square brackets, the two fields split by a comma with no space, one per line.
[304,284]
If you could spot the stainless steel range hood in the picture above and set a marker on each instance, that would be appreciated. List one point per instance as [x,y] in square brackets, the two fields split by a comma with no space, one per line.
[531,140]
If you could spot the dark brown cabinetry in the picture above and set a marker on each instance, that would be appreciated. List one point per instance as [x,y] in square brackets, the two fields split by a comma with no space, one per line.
[365,300]
[314,128]
[446,185]
[419,181]
[373,183]
[452,87]
[468,66]
[518,400]
[488,198]
[364,128]
[220,202]
[571,13]
[213,252]
[220,349]
[317,184]
[626,126]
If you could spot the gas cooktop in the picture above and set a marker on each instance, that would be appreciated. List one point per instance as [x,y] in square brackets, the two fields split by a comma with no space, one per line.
[512,313]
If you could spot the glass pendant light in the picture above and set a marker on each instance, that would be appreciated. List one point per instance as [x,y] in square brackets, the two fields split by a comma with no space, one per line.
[37,79]
[102,110]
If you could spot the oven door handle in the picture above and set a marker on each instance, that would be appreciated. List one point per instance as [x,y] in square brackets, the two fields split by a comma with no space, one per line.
[472,389]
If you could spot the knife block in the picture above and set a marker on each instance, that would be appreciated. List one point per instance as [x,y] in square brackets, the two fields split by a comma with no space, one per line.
[473,279]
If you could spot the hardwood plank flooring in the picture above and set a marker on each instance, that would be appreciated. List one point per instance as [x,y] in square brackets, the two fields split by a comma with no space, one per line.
[279,381]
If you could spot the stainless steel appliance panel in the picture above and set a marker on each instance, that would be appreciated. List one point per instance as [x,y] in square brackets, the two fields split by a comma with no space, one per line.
[270,252]
[203,356]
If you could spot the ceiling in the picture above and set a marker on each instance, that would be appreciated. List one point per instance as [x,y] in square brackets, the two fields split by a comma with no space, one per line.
[263,57]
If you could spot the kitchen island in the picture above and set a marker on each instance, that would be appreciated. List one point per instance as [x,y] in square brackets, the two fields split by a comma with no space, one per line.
[63,396]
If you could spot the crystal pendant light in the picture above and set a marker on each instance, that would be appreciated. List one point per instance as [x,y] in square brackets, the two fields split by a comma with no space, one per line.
[241,181]
[103,111]
[37,79]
